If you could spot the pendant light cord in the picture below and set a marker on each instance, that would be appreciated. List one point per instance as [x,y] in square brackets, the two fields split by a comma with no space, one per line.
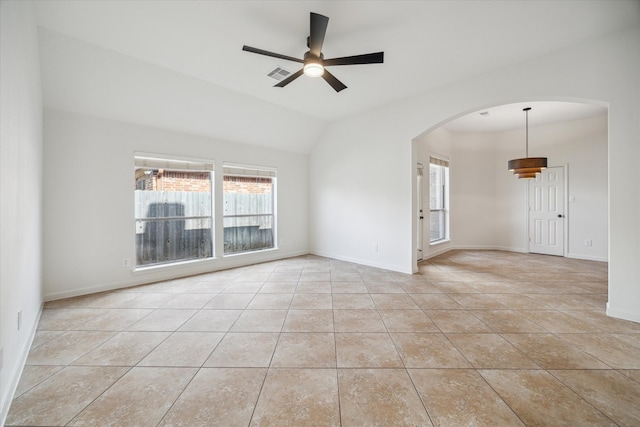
[526,151]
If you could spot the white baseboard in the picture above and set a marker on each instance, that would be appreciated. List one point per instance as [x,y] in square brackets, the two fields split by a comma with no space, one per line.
[434,253]
[175,272]
[16,370]
[622,314]
[508,249]
[471,248]
[384,266]
[587,257]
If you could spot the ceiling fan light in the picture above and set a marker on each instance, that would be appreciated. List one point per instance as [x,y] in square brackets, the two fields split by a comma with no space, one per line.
[313,69]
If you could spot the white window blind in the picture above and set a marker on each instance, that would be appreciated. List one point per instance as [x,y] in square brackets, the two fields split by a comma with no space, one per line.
[248,171]
[438,161]
[174,164]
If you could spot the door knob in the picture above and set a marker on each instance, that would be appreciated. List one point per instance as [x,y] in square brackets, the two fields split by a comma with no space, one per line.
[560,215]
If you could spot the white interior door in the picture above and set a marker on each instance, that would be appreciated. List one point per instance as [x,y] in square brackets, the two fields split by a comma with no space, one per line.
[546,212]
[419,213]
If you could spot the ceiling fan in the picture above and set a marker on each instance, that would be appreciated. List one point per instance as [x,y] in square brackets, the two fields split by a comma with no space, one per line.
[314,63]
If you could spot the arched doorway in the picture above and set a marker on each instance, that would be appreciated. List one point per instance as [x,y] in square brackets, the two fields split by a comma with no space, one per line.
[489,205]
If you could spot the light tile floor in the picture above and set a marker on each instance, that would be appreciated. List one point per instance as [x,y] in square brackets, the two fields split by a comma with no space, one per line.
[480,338]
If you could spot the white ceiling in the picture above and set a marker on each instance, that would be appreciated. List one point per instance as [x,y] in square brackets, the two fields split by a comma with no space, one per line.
[512,116]
[426,43]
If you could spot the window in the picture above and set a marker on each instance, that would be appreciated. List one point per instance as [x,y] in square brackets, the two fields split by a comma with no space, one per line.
[249,208]
[173,210]
[438,199]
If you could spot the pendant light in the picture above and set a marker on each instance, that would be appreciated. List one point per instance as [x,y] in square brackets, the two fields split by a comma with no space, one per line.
[528,167]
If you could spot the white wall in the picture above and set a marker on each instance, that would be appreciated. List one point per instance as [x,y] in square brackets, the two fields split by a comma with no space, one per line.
[511,193]
[488,204]
[473,192]
[357,200]
[20,191]
[580,146]
[88,79]
[471,188]
[88,199]
[377,147]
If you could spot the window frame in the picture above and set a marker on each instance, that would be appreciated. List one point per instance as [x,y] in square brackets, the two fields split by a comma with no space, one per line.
[179,164]
[442,166]
[251,171]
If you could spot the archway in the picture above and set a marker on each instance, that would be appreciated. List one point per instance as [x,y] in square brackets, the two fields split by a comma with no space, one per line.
[488,205]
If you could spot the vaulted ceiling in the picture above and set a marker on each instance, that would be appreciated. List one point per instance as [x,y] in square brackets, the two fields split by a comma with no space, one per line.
[179,64]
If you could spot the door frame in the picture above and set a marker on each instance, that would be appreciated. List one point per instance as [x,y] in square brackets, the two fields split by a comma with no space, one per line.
[565,207]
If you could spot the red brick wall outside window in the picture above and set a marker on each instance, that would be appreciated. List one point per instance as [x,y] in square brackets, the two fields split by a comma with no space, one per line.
[247,185]
[168,180]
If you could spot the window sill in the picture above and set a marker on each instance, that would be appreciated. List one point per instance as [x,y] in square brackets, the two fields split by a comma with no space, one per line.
[439,242]
[185,264]
[177,264]
[238,254]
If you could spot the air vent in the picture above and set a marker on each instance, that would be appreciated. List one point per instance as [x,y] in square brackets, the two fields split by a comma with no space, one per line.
[279,73]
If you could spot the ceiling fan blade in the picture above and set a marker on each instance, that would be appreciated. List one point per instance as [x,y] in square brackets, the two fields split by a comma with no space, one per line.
[336,84]
[317,33]
[267,53]
[367,58]
[289,79]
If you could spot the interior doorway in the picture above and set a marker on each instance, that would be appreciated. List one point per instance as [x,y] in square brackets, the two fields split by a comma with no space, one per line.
[489,209]
[547,213]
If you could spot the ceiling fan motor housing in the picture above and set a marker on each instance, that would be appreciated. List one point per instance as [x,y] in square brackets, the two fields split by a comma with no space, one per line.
[309,57]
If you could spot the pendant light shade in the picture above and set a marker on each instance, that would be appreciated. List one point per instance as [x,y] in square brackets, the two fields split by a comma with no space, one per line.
[527,167]
[528,163]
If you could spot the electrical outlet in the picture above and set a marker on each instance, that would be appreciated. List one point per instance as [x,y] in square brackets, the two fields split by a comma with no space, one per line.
[374,247]
[588,242]
[20,320]
[126,262]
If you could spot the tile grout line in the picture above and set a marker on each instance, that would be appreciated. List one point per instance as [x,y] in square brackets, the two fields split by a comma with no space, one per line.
[474,312]
[99,395]
[584,399]
[268,368]
[335,354]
